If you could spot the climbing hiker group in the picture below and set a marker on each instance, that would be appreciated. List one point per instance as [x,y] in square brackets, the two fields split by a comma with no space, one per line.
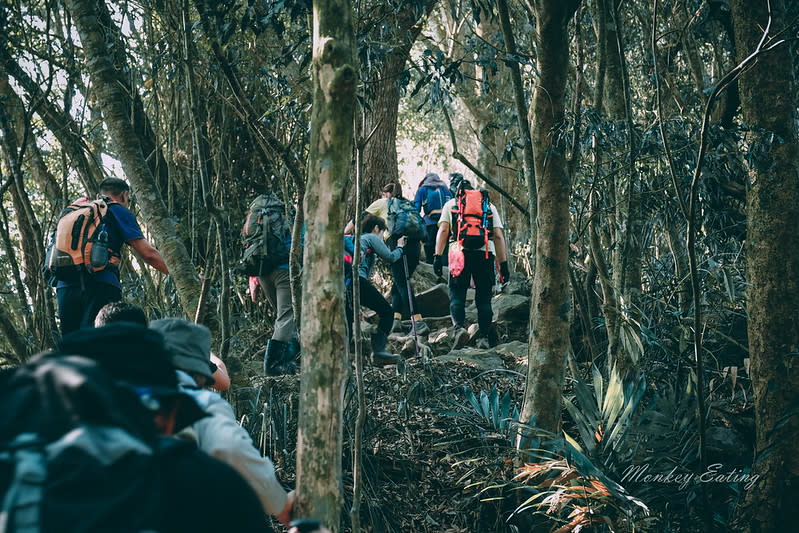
[456,225]
[126,414]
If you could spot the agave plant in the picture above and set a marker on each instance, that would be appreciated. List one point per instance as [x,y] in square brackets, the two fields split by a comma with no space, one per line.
[604,414]
[488,410]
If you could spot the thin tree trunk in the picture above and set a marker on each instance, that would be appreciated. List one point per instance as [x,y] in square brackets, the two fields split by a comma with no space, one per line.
[549,312]
[114,94]
[205,165]
[320,427]
[522,119]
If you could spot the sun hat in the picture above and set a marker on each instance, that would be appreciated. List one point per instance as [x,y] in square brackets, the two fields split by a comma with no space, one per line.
[188,343]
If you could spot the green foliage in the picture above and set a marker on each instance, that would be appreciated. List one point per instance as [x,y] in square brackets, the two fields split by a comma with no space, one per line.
[603,414]
[487,410]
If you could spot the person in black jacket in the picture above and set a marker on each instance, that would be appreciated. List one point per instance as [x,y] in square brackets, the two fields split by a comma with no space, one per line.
[114,389]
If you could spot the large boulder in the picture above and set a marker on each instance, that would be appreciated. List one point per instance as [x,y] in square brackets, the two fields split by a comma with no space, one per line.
[434,302]
[511,309]
[483,359]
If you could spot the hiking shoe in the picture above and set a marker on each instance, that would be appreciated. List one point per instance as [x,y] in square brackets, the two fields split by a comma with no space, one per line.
[380,356]
[422,328]
[397,327]
[482,343]
[459,337]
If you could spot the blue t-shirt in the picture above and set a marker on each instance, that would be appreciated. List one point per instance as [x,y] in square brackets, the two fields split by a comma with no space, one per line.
[122,228]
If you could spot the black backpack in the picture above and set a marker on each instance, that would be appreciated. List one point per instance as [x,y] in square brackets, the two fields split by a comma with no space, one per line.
[266,236]
[78,452]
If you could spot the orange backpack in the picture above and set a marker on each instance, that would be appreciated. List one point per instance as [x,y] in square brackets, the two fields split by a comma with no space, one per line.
[80,241]
[475,220]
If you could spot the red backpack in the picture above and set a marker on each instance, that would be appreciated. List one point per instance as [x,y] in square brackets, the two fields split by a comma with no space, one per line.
[475,220]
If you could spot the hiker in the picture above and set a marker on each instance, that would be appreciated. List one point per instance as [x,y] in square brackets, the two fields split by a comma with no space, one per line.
[80,299]
[430,197]
[267,243]
[471,261]
[402,294]
[89,430]
[455,180]
[220,434]
[372,245]
[120,312]
[127,312]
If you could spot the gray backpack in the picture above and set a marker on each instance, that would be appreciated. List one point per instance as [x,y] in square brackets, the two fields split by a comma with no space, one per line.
[266,236]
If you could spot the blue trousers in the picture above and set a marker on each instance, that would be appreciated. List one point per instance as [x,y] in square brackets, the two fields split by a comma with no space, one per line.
[78,305]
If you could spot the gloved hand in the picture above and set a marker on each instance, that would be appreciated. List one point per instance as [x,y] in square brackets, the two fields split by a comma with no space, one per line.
[504,272]
[438,268]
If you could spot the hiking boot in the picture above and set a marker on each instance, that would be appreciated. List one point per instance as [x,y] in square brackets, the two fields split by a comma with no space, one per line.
[380,356]
[273,357]
[459,337]
[277,359]
[397,326]
[422,328]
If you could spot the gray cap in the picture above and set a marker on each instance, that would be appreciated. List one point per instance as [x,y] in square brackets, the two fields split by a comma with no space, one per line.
[188,343]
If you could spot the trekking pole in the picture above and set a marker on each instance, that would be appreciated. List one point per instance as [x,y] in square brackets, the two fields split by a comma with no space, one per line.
[410,302]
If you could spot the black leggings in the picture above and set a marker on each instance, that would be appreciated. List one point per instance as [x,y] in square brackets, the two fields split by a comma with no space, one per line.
[481,269]
[371,298]
[400,285]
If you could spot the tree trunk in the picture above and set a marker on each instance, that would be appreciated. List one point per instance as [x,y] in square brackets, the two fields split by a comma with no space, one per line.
[769,104]
[114,94]
[522,117]
[320,433]
[40,325]
[380,154]
[625,259]
[549,313]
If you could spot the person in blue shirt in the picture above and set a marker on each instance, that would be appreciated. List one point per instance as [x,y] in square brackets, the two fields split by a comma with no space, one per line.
[430,197]
[80,301]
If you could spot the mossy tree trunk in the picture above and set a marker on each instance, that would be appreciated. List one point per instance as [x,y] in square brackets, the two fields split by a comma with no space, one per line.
[768,94]
[325,362]
[115,95]
[549,314]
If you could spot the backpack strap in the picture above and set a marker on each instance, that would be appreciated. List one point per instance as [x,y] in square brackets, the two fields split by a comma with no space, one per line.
[21,510]
[486,215]
[461,203]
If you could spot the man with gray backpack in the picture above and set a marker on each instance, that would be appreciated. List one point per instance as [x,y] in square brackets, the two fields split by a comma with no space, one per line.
[266,239]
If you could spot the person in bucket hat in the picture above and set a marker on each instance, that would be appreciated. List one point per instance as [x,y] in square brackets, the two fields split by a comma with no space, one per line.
[135,358]
[220,434]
